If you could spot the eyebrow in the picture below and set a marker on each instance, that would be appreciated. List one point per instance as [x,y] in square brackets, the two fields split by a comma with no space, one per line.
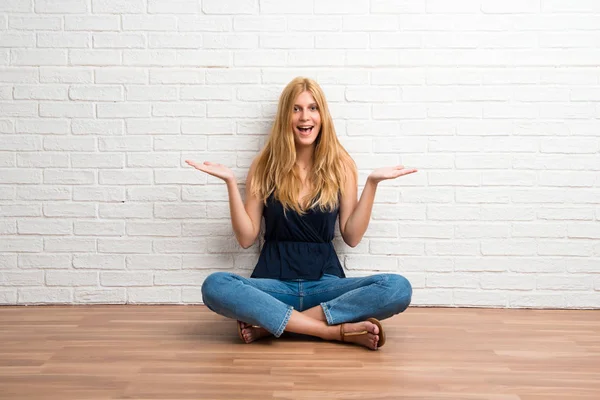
[310,105]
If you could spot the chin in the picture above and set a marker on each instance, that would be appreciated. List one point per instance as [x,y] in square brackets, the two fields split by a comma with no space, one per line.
[305,141]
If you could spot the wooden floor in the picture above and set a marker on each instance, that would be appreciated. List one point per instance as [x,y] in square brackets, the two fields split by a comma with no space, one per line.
[187,352]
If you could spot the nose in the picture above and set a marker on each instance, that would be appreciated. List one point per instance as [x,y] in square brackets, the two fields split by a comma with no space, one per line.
[303,115]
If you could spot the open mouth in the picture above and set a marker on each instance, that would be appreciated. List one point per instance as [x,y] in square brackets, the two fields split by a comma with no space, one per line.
[306,130]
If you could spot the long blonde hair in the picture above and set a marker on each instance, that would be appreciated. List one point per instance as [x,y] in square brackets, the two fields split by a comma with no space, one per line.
[276,171]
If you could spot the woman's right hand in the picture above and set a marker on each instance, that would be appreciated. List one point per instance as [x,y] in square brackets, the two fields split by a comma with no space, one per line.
[214,169]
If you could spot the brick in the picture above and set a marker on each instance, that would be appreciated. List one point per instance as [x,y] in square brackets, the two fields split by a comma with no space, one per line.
[74,144]
[192,23]
[38,57]
[97,160]
[26,22]
[159,160]
[174,7]
[47,227]
[234,7]
[126,279]
[96,93]
[100,296]
[151,93]
[188,211]
[44,193]
[139,143]
[152,22]
[342,7]
[454,248]
[44,261]
[100,194]
[121,75]
[69,245]
[69,210]
[63,40]
[153,262]
[94,57]
[62,7]
[99,228]
[123,110]
[118,6]
[180,143]
[98,261]
[128,177]
[150,57]
[97,127]
[153,295]
[20,175]
[180,109]
[92,23]
[23,39]
[71,278]
[125,246]
[66,110]
[19,110]
[43,160]
[153,229]
[152,193]
[44,296]
[66,75]
[21,245]
[120,211]
[43,126]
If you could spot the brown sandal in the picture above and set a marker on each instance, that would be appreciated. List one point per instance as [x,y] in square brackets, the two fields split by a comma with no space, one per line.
[381,333]
[239,327]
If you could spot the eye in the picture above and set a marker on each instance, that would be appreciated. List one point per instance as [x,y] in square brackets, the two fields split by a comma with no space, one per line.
[314,108]
[296,109]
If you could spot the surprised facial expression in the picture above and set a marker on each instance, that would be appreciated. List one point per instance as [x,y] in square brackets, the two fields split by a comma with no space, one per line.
[306,120]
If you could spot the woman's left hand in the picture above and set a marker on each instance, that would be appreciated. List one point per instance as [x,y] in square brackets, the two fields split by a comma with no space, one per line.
[381,174]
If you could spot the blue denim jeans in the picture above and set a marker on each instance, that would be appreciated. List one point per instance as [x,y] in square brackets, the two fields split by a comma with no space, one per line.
[269,302]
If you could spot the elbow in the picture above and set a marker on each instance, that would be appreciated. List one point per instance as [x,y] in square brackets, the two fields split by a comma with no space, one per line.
[352,242]
[246,244]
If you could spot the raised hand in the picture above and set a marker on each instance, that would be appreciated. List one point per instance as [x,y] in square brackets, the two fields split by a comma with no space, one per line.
[381,174]
[214,169]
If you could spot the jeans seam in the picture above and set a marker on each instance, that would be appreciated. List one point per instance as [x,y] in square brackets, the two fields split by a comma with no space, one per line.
[328,316]
[281,328]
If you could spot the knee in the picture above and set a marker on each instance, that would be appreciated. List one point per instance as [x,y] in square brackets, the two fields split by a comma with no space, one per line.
[400,292]
[212,288]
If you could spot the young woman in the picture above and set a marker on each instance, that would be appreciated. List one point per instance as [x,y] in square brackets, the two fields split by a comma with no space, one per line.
[301,182]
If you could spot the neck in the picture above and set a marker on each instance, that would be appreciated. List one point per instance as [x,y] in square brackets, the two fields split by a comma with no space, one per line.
[304,157]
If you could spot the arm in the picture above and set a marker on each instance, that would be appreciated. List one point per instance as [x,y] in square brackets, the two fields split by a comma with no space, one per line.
[355,215]
[245,218]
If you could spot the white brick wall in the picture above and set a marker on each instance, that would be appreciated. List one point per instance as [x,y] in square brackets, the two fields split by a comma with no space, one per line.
[498,104]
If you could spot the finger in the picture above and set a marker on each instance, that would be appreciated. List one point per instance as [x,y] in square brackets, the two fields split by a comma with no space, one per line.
[408,171]
[192,163]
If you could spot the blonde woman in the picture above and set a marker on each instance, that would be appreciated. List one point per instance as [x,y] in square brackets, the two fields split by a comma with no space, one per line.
[301,183]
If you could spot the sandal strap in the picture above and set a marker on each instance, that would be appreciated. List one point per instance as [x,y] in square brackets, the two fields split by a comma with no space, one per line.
[344,334]
[356,333]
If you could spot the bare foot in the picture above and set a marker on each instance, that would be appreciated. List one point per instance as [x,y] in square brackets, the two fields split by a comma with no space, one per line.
[351,332]
[251,333]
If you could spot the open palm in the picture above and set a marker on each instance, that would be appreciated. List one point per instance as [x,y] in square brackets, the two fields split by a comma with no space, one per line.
[214,169]
[381,174]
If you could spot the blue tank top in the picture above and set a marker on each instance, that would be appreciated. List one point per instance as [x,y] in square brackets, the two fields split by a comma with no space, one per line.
[297,246]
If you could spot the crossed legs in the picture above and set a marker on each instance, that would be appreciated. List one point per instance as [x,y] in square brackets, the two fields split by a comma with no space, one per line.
[336,308]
